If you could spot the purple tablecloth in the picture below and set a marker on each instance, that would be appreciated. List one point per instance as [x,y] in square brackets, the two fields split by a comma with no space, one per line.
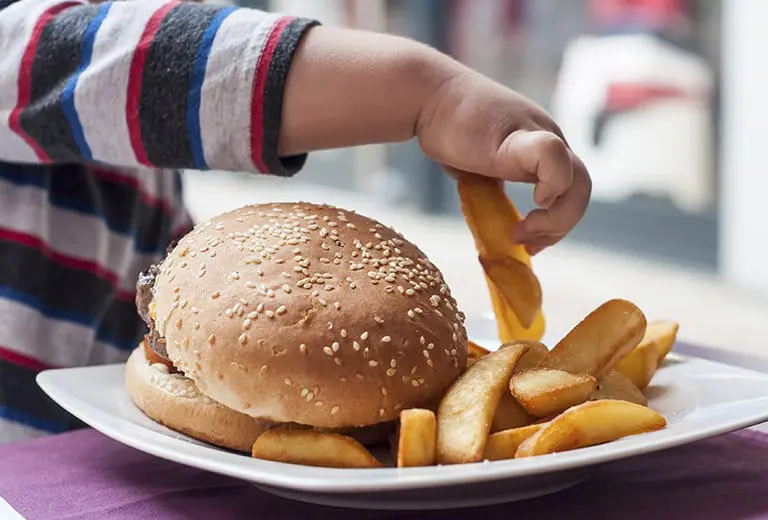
[86,476]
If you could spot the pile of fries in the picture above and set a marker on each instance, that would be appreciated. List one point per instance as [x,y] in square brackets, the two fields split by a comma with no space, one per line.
[523,399]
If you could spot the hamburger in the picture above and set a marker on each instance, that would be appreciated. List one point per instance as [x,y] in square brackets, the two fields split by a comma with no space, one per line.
[293,315]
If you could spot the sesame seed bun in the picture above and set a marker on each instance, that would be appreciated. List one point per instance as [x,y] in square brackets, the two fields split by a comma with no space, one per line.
[299,313]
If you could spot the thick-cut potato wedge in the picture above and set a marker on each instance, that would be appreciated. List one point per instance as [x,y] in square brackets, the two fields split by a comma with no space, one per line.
[491,216]
[664,334]
[475,352]
[517,284]
[417,438]
[616,386]
[465,414]
[547,391]
[640,364]
[510,414]
[532,357]
[310,448]
[591,423]
[504,444]
[596,344]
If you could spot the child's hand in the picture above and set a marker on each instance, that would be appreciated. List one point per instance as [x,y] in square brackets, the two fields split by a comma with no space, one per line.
[471,124]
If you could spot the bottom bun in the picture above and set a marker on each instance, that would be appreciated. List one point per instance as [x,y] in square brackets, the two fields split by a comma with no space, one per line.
[175,402]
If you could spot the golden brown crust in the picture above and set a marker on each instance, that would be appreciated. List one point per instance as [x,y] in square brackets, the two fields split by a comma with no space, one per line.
[309,314]
[175,402]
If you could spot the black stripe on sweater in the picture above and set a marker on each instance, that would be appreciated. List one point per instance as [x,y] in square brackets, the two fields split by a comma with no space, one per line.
[57,58]
[165,84]
[27,276]
[25,402]
[273,99]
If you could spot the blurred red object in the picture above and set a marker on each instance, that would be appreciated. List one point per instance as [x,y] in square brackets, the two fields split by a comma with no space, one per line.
[645,13]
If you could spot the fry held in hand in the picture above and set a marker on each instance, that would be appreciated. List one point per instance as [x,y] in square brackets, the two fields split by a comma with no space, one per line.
[417,438]
[465,414]
[589,424]
[491,217]
[517,284]
[504,444]
[546,391]
[312,449]
[600,340]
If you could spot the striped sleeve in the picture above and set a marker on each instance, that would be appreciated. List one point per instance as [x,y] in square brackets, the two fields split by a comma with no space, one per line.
[154,83]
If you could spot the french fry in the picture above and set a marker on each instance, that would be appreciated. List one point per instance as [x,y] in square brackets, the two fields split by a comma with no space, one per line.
[491,217]
[517,284]
[475,352]
[600,340]
[640,364]
[532,357]
[616,386]
[504,444]
[510,414]
[664,333]
[466,411]
[547,391]
[312,449]
[591,423]
[417,438]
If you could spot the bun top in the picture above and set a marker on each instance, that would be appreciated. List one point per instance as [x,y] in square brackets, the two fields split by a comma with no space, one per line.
[296,312]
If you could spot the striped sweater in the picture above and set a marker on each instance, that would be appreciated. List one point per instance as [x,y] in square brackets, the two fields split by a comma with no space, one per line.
[100,106]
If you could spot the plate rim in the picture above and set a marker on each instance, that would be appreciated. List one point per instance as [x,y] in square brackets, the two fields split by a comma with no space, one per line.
[344,481]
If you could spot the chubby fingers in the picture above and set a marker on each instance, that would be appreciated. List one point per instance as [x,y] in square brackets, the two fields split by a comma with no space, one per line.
[544,227]
[538,157]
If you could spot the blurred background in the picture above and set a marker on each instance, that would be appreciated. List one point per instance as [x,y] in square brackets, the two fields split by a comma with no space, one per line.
[663,99]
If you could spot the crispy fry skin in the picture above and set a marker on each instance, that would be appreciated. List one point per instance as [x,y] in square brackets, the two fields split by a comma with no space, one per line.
[517,285]
[664,333]
[466,412]
[600,340]
[641,363]
[591,423]
[504,444]
[417,438]
[547,391]
[310,448]
[491,217]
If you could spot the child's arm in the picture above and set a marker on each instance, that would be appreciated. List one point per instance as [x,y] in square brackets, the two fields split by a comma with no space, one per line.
[350,87]
[190,86]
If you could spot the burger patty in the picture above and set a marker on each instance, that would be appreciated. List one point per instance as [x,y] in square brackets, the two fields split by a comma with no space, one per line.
[144,296]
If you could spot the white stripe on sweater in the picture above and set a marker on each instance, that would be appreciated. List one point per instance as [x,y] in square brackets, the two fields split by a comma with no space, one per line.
[101,94]
[225,104]
[16,24]
[52,342]
[26,210]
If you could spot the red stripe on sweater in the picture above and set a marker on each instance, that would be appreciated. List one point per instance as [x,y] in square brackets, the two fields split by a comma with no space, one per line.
[135,76]
[25,78]
[257,96]
[134,183]
[21,360]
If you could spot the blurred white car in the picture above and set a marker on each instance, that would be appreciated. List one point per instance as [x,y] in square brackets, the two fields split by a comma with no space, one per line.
[638,110]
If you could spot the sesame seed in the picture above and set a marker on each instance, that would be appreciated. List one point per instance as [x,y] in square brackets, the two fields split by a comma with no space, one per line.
[304,392]
[381,412]
[322,302]
[211,339]
[176,289]
[196,326]
[269,314]
[229,313]
[383,391]
[386,339]
[454,337]
[247,324]
[288,381]
[235,275]
[414,382]
[391,372]
[364,336]
[411,314]
[356,345]
[178,323]
[334,410]
[338,361]
[418,310]
[335,346]
[373,363]
[410,292]
[337,305]
[378,320]
[243,339]
[310,396]
[319,403]
[430,363]
[215,295]
[328,351]
[303,348]
[431,346]
[423,340]
[343,333]
[287,289]
[281,310]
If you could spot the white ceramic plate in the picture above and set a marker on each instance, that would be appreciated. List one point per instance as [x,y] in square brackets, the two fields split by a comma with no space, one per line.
[699,399]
